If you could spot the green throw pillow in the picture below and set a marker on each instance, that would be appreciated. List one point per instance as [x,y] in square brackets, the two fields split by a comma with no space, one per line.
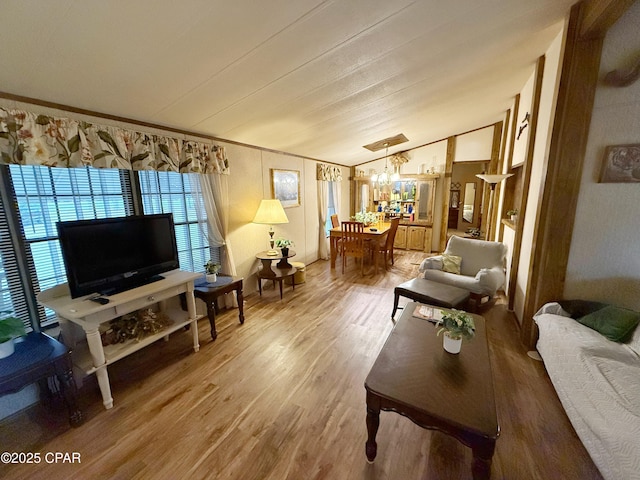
[615,323]
[451,263]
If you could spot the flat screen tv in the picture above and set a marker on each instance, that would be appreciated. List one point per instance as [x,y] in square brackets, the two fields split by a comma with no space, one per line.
[110,255]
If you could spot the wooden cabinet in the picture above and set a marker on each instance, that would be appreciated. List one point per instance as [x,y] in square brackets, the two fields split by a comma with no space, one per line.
[413,237]
[401,237]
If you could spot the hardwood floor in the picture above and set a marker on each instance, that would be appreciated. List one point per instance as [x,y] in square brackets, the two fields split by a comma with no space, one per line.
[282,397]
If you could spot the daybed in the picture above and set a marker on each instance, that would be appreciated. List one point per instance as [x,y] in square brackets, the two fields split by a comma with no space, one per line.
[596,379]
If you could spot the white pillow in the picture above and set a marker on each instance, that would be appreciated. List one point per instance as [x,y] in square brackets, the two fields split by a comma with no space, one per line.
[634,343]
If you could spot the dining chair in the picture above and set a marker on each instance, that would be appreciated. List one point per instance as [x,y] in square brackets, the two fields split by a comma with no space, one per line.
[353,243]
[336,223]
[387,248]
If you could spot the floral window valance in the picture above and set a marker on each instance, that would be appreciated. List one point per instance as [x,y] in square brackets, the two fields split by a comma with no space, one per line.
[329,173]
[33,139]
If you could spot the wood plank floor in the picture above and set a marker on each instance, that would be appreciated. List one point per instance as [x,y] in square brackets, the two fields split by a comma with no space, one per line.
[282,397]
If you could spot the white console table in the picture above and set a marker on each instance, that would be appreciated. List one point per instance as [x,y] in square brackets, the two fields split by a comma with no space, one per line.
[90,315]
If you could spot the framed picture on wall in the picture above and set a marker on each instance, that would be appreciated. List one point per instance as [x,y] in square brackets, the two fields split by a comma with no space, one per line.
[621,164]
[285,186]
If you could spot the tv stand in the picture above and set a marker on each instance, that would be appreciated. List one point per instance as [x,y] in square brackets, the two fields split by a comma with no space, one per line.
[131,285]
[91,356]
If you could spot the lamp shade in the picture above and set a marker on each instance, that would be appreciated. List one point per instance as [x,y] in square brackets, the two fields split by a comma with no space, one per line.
[270,212]
[493,179]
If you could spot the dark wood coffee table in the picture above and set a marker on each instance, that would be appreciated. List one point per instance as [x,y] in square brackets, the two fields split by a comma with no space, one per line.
[415,377]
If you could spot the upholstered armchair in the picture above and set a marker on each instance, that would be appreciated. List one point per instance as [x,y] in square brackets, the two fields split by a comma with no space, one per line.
[475,265]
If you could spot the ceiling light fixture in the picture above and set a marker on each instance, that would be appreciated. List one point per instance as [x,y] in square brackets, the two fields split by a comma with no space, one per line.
[385,178]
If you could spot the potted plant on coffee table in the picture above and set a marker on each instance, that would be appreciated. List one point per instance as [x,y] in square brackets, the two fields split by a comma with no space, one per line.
[211,269]
[456,325]
[10,328]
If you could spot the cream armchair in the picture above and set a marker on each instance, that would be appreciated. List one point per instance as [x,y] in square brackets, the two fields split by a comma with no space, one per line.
[480,263]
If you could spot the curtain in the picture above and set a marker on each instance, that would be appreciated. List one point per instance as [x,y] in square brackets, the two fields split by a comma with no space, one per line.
[28,138]
[323,203]
[326,174]
[215,193]
[329,173]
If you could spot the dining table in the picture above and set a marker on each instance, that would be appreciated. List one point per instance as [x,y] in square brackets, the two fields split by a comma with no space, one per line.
[376,233]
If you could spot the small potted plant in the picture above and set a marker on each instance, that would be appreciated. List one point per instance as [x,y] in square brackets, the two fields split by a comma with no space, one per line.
[283,244]
[456,325]
[513,214]
[10,328]
[211,270]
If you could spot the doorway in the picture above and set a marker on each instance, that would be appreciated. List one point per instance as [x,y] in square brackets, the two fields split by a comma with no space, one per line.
[465,197]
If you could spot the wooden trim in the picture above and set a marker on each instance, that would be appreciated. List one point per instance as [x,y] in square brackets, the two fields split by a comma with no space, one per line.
[446,186]
[526,179]
[560,186]
[503,149]
[494,167]
[353,194]
[599,15]
[179,131]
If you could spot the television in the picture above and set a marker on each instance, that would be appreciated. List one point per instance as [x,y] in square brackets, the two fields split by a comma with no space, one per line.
[111,255]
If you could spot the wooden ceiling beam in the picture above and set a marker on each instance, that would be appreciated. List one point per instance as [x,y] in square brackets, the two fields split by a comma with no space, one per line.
[599,15]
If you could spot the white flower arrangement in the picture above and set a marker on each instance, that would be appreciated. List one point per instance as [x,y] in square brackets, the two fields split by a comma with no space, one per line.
[366,217]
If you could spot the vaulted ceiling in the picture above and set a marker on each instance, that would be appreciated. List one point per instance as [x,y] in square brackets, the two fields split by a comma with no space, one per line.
[309,77]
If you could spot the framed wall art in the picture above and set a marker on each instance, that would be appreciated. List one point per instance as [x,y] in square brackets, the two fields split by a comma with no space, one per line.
[621,164]
[285,186]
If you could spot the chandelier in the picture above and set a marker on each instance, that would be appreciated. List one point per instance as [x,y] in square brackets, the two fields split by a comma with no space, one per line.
[385,178]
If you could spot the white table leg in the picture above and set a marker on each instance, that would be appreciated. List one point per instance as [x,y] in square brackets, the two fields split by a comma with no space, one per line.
[191,308]
[99,362]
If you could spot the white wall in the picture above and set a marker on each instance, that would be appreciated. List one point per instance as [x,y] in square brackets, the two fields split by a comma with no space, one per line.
[546,112]
[604,260]
[250,182]
[525,106]
[474,146]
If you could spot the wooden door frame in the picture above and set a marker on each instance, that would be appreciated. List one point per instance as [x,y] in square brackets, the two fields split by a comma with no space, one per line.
[557,201]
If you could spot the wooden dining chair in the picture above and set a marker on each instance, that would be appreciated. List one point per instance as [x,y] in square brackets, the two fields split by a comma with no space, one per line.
[387,249]
[353,243]
[336,223]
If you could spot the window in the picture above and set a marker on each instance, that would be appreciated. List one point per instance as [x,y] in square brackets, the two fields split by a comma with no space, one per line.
[331,208]
[34,198]
[45,196]
[170,192]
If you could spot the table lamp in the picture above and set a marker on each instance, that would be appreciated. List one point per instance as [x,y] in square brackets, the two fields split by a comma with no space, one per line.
[270,212]
[492,180]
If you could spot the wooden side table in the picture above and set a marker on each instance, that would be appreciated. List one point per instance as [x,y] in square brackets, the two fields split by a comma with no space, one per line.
[266,259]
[278,275]
[209,292]
[37,357]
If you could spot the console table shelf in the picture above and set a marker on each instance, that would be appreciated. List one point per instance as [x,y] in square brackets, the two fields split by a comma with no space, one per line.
[117,351]
[91,356]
